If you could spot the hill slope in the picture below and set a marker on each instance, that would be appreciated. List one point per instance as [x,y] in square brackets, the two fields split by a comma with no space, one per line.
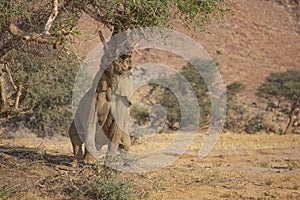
[262,37]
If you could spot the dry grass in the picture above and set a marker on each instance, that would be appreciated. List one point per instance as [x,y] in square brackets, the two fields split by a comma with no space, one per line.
[227,141]
[241,166]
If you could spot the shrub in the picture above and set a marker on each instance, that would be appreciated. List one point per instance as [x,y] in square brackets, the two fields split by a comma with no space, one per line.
[283,87]
[45,103]
[235,88]
[104,185]
[170,102]
[140,113]
[255,124]
[236,109]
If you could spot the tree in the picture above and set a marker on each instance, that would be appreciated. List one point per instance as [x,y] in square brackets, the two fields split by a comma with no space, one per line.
[170,102]
[37,72]
[283,87]
[236,111]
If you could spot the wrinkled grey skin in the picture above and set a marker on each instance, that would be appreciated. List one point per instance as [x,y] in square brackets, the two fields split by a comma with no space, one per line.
[271,124]
[273,127]
[97,111]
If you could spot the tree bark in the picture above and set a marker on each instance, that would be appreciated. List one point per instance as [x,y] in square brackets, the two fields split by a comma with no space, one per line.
[291,115]
[18,95]
[3,88]
[52,17]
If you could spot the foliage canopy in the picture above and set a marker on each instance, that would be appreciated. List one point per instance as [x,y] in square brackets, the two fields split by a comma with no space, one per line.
[282,85]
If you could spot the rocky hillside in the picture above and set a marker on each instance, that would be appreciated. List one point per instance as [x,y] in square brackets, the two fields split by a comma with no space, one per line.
[262,37]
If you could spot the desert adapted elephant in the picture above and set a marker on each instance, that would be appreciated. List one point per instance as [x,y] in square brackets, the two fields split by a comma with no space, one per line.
[101,107]
[273,127]
[271,124]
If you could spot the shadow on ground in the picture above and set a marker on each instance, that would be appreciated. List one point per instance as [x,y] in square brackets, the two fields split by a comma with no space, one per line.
[34,154]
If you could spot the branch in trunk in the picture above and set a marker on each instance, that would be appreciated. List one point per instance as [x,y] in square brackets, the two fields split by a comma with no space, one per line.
[291,114]
[3,88]
[103,40]
[52,17]
[40,38]
[19,92]
[10,77]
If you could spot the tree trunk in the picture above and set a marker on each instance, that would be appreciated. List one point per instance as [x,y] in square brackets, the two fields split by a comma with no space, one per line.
[3,88]
[291,115]
[288,127]
[18,95]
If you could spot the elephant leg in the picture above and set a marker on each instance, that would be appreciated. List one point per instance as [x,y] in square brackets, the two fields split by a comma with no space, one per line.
[90,146]
[77,144]
[72,133]
[125,142]
[268,130]
[101,139]
[115,138]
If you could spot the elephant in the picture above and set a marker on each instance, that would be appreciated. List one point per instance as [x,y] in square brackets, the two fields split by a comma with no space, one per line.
[272,124]
[272,127]
[101,139]
[102,114]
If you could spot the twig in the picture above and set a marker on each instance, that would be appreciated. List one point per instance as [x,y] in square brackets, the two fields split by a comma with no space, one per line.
[19,92]
[134,49]
[102,39]
[3,88]
[52,17]
[10,77]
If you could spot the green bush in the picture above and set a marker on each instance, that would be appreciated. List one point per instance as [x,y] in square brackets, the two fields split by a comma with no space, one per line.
[4,194]
[140,113]
[235,88]
[255,124]
[283,88]
[170,102]
[236,110]
[104,185]
[45,103]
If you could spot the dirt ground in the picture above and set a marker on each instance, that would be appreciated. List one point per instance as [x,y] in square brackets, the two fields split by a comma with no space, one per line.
[240,167]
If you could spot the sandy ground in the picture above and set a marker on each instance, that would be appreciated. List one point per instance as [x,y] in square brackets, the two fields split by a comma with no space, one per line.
[239,167]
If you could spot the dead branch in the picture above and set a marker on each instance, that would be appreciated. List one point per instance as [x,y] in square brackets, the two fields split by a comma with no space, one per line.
[10,77]
[103,40]
[19,92]
[52,17]
[40,38]
[134,49]
[3,88]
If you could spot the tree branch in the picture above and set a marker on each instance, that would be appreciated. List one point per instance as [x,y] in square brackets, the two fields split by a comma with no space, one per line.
[103,40]
[52,17]
[10,77]
[3,90]
[40,38]
[18,95]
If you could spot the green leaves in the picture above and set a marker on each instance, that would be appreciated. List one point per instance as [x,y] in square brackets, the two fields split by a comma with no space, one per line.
[130,14]
[120,14]
[199,87]
[47,92]
[281,85]
[197,13]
